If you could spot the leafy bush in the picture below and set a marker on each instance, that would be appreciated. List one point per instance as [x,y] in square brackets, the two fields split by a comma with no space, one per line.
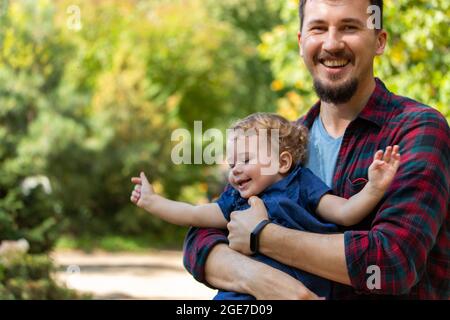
[26,276]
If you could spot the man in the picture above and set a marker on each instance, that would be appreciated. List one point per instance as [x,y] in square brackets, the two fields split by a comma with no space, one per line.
[402,249]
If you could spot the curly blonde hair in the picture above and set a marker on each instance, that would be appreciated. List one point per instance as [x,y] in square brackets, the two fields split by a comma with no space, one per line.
[293,138]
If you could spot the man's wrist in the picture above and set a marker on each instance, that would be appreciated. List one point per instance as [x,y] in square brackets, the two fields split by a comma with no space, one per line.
[254,235]
[263,238]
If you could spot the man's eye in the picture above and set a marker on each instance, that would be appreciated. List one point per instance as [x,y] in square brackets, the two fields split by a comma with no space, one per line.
[317,29]
[246,161]
[231,165]
[349,28]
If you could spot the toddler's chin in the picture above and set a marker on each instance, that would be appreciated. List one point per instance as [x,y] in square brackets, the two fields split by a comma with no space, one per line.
[246,195]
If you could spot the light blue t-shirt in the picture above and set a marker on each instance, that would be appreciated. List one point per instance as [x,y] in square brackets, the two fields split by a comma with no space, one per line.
[323,151]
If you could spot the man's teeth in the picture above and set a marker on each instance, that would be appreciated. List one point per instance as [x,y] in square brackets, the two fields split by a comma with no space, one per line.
[335,63]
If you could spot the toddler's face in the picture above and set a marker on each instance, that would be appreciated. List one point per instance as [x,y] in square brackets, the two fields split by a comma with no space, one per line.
[252,169]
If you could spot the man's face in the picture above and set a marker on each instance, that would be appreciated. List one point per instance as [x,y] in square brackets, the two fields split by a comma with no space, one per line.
[338,47]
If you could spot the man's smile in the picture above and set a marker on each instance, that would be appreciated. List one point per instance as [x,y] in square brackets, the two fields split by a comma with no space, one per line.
[334,63]
[334,67]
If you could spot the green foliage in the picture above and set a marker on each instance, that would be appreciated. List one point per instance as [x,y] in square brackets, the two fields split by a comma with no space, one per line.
[415,64]
[87,109]
[25,277]
[30,70]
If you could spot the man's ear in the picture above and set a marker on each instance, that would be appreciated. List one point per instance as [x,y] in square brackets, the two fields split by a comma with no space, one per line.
[299,37]
[381,42]
[285,162]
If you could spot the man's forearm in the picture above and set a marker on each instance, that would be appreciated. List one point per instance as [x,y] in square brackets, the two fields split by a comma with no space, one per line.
[222,269]
[319,254]
[231,271]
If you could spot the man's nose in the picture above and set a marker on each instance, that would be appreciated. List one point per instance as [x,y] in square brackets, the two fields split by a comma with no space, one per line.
[333,42]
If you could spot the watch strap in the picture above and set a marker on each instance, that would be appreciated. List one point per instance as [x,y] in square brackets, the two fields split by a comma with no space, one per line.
[254,236]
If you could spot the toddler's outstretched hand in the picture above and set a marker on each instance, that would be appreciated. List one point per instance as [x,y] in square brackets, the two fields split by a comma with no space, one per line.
[143,190]
[384,167]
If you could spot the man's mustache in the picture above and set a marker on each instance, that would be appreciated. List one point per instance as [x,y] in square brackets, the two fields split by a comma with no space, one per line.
[335,56]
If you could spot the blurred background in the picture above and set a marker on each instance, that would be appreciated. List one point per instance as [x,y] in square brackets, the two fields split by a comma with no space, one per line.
[90,92]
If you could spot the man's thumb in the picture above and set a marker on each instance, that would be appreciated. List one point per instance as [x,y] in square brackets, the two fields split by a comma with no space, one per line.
[254,201]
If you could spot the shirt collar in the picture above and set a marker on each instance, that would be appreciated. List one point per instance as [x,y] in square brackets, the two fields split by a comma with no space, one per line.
[376,110]
[286,181]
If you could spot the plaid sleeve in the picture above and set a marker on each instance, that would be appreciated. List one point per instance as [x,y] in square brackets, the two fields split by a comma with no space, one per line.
[412,213]
[197,245]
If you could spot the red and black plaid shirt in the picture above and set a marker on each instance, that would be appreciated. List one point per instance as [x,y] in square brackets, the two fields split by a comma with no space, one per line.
[408,235]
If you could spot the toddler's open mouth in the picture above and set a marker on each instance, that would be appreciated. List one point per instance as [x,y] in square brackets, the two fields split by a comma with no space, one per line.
[242,184]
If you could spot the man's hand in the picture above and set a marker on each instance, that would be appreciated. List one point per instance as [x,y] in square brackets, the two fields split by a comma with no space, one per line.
[143,192]
[242,224]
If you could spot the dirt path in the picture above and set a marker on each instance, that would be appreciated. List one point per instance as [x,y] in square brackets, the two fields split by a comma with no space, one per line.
[153,275]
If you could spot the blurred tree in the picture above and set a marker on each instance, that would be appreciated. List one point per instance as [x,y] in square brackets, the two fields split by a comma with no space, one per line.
[250,20]
[88,107]
[153,72]
[32,122]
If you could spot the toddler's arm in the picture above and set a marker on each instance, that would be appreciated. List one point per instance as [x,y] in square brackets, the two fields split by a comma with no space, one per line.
[179,213]
[349,212]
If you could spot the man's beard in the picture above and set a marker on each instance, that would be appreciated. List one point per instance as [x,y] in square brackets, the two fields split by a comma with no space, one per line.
[336,94]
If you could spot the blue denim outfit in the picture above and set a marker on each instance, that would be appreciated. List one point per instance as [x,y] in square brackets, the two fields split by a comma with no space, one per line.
[290,203]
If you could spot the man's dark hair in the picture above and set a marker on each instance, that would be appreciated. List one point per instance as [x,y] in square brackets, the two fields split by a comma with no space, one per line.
[301,10]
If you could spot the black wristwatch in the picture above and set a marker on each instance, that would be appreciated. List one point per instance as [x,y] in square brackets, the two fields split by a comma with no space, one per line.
[254,236]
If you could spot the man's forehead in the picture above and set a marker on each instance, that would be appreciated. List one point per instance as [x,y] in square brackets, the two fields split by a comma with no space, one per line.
[334,2]
[338,3]
[317,9]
